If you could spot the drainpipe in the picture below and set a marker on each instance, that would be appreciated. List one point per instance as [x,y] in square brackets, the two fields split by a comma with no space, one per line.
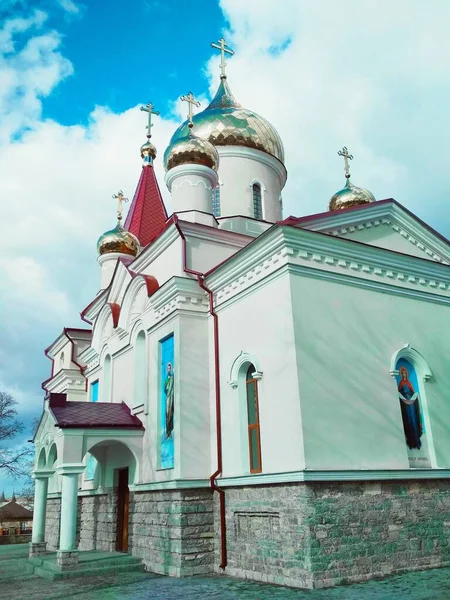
[218,471]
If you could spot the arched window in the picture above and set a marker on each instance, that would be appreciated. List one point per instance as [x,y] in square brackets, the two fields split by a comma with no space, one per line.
[411,371]
[61,361]
[216,202]
[106,393]
[140,371]
[254,438]
[257,202]
[91,465]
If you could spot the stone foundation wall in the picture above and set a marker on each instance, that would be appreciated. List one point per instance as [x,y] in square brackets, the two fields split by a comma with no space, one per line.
[172,531]
[52,522]
[317,534]
[98,522]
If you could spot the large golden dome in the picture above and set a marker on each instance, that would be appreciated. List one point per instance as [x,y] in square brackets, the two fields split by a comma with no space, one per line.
[191,150]
[118,240]
[226,123]
[350,195]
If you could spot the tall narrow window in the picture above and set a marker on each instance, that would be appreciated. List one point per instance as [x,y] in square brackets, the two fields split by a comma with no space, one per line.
[254,438]
[257,203]
[140,371]
[94,391]
[106,394]
[216,202]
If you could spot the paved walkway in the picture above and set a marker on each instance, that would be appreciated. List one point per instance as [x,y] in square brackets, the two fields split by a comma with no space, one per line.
[16,585]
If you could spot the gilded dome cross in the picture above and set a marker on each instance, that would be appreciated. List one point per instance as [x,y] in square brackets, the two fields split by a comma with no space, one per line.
[347,157]
[148,108]
[191,102]
[120,200]
[222,46]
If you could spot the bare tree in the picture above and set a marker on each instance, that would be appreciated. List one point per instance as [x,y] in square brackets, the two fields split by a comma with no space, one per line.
[12,462]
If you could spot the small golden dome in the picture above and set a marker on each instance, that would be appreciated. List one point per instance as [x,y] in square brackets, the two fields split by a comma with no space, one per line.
[350,195]
[190,150]
[148,149]
[118,240]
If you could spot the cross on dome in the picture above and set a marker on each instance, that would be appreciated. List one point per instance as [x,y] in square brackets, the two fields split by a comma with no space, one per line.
[120,200]
[148,108]
[344,153]
[189,98]
[222,46]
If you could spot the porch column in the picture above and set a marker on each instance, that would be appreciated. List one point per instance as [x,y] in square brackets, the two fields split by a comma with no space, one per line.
[67,554]
[38,545]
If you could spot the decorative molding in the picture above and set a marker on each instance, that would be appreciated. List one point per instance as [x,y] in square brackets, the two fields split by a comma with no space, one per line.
[66,380]
[413,355]
[200,171]
[174,484]
[179,293]
[331,475]
[242,359]
[189,183]
[386,213]
[332,257]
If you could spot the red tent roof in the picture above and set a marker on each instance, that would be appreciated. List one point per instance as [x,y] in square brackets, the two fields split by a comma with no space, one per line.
[147,215]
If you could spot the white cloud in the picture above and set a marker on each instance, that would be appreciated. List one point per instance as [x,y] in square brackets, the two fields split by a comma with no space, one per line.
[71,7]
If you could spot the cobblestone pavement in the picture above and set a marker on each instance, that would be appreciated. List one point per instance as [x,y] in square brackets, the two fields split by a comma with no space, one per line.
[16,585]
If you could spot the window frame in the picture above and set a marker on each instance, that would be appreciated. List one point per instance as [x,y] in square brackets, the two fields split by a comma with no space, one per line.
[253,426]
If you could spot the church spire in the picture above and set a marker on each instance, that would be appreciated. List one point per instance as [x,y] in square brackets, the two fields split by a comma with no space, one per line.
[147,215]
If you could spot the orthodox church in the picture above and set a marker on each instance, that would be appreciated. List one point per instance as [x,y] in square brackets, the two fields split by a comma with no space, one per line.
[252,394]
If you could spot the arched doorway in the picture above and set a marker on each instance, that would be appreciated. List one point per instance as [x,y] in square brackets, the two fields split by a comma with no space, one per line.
[116,469]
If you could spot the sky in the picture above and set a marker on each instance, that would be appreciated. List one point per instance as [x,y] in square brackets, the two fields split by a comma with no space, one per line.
[370,75]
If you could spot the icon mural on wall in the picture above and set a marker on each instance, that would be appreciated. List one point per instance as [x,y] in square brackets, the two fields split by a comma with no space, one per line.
[167,404]
[407,387]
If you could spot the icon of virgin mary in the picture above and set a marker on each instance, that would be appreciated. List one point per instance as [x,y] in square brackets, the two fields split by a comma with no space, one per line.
[409,404]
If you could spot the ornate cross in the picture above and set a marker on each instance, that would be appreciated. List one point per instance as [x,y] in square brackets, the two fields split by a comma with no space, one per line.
[192,102]
[120,200]
[222,46]
[148,108]
[347,157]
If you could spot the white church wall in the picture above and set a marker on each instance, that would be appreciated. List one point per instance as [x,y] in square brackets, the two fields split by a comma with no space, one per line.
[238,168]
[165,264]
[259,323]
[202,254]
[122,377]
[345,338]
[193,365]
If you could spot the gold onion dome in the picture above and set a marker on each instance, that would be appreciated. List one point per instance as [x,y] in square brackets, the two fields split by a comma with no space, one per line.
[118,240]
[190,150]
[148,149]
[350,195]
[226,123]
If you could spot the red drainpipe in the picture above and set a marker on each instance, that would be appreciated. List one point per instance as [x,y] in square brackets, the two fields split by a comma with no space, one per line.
[212,479]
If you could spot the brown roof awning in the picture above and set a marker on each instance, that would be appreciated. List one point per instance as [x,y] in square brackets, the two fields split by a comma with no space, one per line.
[92,414]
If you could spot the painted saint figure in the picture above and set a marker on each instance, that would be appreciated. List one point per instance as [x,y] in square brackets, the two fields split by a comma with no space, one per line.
[169,392]
[409,404]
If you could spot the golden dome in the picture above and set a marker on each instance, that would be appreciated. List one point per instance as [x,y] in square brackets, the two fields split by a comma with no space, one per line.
[148,149]
[190,150]
[226,123]
[118,240]
[350,195]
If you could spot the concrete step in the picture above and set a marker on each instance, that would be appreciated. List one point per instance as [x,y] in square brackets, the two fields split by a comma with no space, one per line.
[93,561]
[88,571]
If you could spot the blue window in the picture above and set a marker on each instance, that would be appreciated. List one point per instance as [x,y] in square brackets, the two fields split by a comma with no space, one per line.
[90,468]
[257,203]
[216,202]
[94,391]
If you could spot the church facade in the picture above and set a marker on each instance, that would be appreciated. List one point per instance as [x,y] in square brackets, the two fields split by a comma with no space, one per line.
[256,395]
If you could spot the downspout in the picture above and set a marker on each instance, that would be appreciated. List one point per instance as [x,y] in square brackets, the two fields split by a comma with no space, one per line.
[218,471]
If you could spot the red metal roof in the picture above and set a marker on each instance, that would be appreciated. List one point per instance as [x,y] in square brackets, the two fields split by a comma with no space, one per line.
[91,414]
[147,215]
